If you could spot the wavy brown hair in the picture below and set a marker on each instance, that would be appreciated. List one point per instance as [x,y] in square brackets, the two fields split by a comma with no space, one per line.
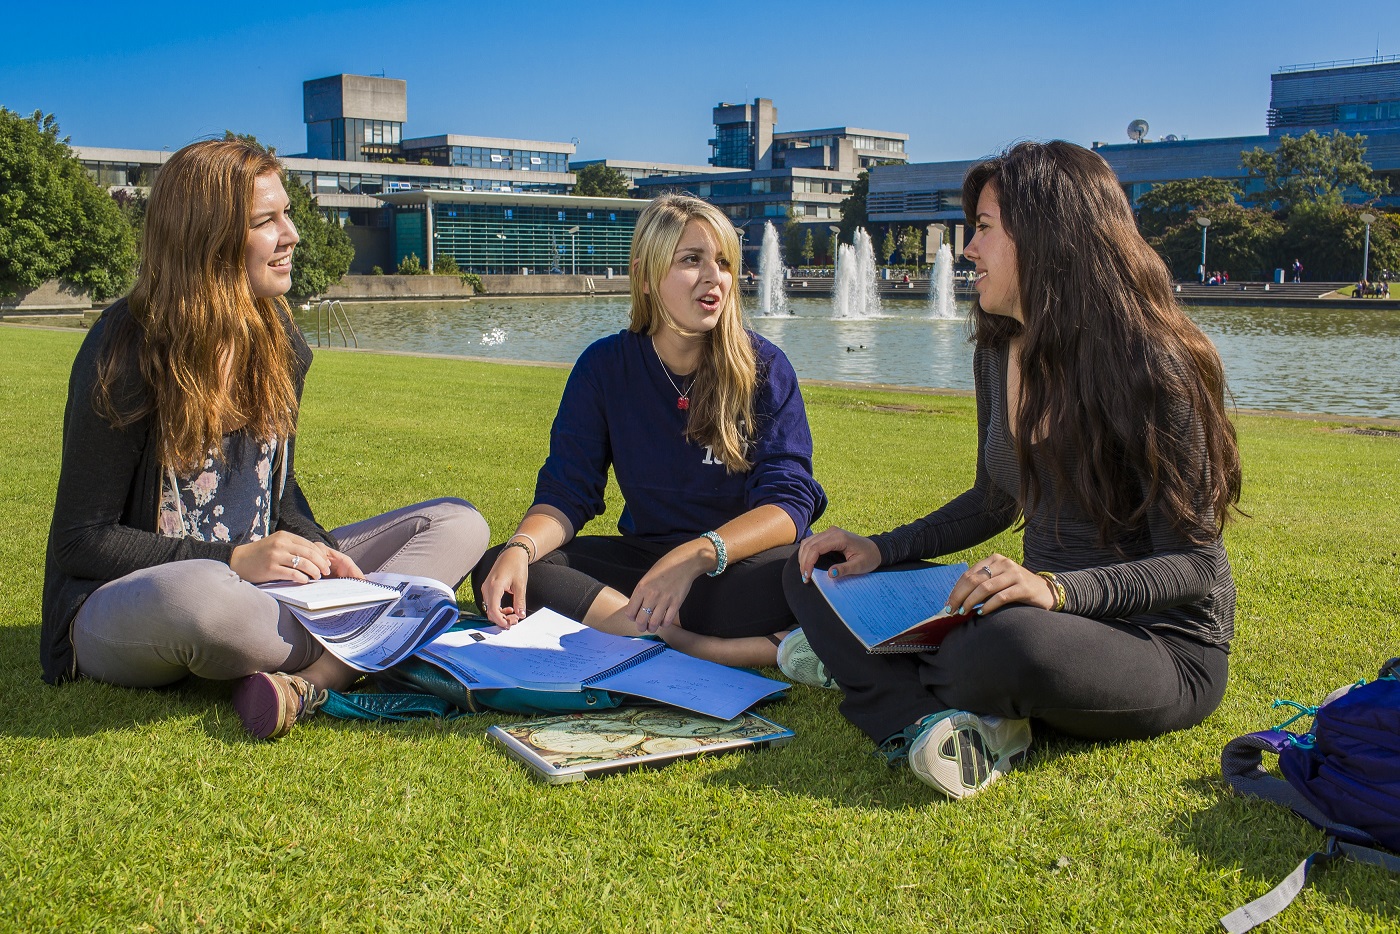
[213,357]
[1109,362]
[721,407]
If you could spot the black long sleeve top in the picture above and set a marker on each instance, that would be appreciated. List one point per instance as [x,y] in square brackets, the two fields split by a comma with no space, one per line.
[1164,582]
[107,504]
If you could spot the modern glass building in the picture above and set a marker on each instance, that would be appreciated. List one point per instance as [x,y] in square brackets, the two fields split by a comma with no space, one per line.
[495,232]
[354,118]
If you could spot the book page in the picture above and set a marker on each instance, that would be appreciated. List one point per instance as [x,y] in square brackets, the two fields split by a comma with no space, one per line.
[880,605]
[445,652]
[377,636]
[329,592]
[693,684]
[548,651]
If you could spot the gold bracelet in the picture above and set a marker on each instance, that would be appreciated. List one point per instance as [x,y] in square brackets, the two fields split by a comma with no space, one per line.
[1057,587]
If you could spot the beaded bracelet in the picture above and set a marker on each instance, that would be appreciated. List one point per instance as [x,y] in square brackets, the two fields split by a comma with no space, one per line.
[721,556]
[1057,587]
[522,546]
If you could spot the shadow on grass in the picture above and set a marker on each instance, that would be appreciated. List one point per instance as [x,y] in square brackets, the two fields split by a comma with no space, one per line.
[1261,843]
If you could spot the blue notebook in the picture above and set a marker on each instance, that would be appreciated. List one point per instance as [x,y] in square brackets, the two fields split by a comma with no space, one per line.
[895,611]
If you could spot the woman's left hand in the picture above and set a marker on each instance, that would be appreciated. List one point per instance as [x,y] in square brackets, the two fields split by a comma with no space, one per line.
[996,581]
[657,598]
[342,565]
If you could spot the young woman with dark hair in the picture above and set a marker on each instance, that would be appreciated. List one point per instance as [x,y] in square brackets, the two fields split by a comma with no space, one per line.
[1102,428]
[702,423]
[177,492]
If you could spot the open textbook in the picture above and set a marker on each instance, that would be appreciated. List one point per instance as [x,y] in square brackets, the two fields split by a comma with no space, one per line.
[374,623]
[888,611]
[549,652]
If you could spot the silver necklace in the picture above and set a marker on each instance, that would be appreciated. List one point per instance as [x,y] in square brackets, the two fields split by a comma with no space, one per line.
[683,402]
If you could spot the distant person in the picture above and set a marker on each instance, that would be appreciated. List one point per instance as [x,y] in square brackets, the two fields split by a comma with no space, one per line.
[703,425]
[1102,430]
[1297,270]
[177,491]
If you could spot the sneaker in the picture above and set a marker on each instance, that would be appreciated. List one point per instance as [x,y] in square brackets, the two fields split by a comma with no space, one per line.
[800,663]
[960,753]
[270,704]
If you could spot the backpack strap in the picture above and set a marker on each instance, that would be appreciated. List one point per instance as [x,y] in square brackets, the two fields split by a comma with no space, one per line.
[392,708]
[1241,764]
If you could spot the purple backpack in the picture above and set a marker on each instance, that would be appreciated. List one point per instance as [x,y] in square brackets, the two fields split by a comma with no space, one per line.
[1343,776]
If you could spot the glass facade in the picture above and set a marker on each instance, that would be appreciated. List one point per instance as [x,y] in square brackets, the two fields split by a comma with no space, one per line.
[127,174]
[495,238]
[346,183]
[733,146]
[481,157]
[356,140]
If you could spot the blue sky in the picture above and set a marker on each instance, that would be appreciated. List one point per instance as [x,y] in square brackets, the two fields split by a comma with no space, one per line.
[637,80]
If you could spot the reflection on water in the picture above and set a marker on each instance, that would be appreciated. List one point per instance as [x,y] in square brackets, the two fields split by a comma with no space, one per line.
[1335,360]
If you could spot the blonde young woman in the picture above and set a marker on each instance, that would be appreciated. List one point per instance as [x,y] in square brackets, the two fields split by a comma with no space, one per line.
[703,425]
[177,492]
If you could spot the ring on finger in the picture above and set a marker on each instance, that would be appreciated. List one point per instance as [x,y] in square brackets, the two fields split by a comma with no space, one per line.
[296,559]
[987,570]
[648,610]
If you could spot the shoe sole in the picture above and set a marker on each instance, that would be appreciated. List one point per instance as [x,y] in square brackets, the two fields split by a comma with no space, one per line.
[964,748]
[785,653]
[259,704]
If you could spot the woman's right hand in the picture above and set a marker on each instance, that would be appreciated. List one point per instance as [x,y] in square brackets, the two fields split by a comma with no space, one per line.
[509,575]
[281,556]
[861,554]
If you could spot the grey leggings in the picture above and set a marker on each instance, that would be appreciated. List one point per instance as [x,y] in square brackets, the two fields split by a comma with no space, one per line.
[160,624]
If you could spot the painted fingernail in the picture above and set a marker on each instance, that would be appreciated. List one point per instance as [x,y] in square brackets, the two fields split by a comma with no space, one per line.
[979,611]
[946,611]
[834,572]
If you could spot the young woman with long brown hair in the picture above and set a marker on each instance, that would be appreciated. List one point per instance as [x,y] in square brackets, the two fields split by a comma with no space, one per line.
[1102,427]
[703,425]
[177,491]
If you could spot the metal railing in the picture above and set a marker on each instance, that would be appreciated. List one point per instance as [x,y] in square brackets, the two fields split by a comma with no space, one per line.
[330,313]
[1340,63]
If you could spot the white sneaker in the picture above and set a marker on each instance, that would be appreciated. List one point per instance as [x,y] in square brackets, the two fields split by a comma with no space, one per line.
[960,753]
[800,663]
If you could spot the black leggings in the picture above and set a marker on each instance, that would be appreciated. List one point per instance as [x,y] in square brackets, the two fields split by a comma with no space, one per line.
[1096,679]
[746,600]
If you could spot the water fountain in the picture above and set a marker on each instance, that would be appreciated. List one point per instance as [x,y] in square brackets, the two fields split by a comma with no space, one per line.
[940,290]
[772,297]
[855,292]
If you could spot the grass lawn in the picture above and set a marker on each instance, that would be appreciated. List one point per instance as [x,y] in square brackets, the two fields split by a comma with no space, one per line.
[1393,290]
[152,811]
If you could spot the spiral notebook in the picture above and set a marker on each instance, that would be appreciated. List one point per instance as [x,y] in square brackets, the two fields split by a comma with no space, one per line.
[576,746]
[549,652]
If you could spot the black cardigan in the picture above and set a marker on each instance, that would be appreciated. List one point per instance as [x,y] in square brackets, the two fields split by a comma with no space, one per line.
[108,501]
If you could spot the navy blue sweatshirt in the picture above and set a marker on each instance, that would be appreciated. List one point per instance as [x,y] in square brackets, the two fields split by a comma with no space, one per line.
[619,409]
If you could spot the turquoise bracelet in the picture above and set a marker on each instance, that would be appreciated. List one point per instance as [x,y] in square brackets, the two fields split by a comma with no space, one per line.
[721,556]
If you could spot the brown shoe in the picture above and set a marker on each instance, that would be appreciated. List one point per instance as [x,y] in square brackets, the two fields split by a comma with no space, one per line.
[270,704]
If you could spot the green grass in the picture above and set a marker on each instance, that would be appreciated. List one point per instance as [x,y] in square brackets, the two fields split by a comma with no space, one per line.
[1393,290]
[151,811]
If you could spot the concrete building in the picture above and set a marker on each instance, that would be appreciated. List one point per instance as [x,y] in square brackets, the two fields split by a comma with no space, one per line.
[1356,96]
[634,169]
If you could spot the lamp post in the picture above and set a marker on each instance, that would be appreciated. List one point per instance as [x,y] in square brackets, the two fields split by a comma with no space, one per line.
[1205,228]
[742,234]
[502,238]
[1368,219]
[573,246]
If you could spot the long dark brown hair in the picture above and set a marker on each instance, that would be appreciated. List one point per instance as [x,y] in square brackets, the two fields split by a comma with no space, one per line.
[213,356]
[1110,364]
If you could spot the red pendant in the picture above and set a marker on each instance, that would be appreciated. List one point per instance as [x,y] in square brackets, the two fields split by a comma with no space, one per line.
[682,403]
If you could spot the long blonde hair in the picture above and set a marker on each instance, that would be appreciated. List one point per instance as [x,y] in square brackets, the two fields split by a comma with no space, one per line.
[721,398]
[213,356]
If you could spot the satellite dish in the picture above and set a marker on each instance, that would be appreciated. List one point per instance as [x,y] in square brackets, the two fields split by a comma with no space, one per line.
[1171,138]
[1137,130]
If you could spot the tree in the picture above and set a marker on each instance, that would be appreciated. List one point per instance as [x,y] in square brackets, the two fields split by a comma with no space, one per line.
[911,247]
[809,248]
[445,265]
[1242,241]
[324,253]
[888,246]
[1312,168]
[55,221]
[1171,204]
[600,181]
[1330,240]
[853,211]
[411,265]
[792,239]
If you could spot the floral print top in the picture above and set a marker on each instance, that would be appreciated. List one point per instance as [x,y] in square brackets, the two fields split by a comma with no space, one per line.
[228,499]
